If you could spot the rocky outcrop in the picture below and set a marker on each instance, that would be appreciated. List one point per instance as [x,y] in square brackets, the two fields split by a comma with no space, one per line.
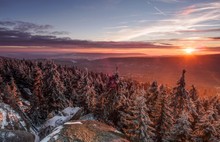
[16,136]
[85,131]
[11,119]
[65,115]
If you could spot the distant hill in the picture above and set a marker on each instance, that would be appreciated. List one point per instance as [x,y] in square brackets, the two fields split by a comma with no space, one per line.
[203,71]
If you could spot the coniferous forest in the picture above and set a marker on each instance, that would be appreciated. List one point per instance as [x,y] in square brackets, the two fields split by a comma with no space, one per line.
[143,112]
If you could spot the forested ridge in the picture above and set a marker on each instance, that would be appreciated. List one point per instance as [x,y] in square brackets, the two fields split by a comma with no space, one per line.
[145,112]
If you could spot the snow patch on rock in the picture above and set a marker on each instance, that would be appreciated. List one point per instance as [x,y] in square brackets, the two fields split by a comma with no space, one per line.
[72,123]
[10,119]
[3,121]
[28,91]
[53,135]
[10,134]
[65,116]
[70,110]
[89,116]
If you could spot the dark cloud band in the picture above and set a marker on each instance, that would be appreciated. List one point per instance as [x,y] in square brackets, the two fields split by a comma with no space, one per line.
[28,34]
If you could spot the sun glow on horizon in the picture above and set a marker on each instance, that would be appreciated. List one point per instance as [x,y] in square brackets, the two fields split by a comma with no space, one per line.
[189,50]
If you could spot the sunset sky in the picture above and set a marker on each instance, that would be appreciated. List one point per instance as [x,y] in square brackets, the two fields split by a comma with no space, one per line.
[151,27]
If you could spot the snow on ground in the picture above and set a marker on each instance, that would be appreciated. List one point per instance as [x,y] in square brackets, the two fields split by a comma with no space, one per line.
[25,102]
[65,116]
[28,91]
[89,116]
[10,118]
[70,110]
[3,120]
[36,139]
[10,134]
[53,135]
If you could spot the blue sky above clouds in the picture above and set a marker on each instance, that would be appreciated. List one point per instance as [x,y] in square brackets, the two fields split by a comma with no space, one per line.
[171,22]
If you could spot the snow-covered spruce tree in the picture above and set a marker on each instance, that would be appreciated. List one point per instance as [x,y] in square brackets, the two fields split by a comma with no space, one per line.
[11,95]
[146,131]
[1,84]
[155,104]
[68,78]
[37,87]
[7,95]
[181,100]
[164,119]
[180,96]
[6,72]
[91,99]
[81,89]
[22,72]
[181,131]
[152,92]
[108,98]
[53,90]
[207,128]
[15,92]
[118,101]
[123,94]
[72,86]
[37,97]
[218,107]
[193,94]
[1,79]
[152,96]
[135,121]
[128,120]
[199,108]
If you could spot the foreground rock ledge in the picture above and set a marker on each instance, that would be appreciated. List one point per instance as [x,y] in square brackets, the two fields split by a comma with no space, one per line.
[85,131]
[16,136]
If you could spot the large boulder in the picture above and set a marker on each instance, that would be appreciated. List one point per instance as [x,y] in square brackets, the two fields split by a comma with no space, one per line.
[85,131]
[16,136]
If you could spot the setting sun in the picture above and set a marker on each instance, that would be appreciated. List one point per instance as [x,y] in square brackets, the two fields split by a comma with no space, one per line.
[189,50]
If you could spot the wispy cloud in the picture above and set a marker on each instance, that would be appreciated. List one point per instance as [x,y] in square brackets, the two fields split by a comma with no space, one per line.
[187,19]
[116,27]
[200,30]
[31,28]
[160,11]
[166,1]
[24,26]
[200,8]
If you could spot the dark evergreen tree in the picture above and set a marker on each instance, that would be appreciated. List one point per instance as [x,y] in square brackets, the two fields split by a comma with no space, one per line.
[181,131]
[135,121]
[180,96]
[91,99]
[54,90]
[164,118]
[37,87]
[207,128]
[193,93]
[15,92]
[37,98]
